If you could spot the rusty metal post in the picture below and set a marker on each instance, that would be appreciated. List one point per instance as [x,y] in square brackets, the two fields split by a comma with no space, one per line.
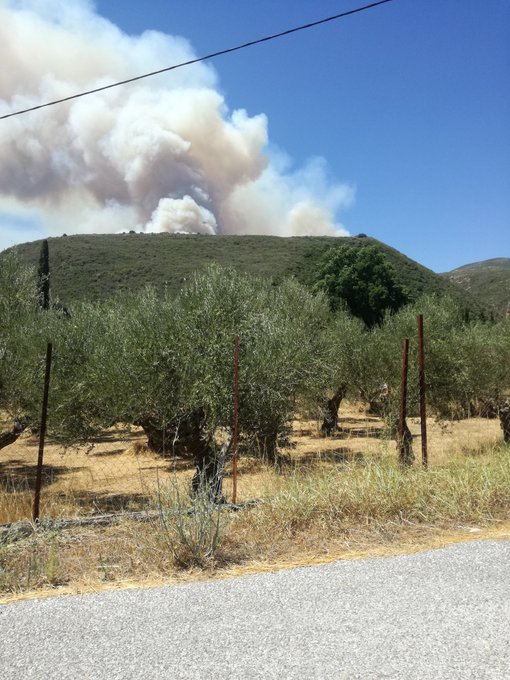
[42,434]
[403,398]
[423,406]
[236,418]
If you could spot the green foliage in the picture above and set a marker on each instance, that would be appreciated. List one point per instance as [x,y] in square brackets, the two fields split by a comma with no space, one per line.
[167,360]
[361,279]
[346,340]
[93,267]
[464,362]
[160,359]
[22,340]
[442,322]
[17,289]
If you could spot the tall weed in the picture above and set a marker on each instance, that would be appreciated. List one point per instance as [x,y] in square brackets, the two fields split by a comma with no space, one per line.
[191,527]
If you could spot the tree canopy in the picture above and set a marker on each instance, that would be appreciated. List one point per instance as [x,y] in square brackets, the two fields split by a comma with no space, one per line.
[362,280]
[165,363]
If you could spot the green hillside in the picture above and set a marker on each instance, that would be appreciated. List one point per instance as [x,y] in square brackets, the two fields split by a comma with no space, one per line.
[95,266]
[489,280]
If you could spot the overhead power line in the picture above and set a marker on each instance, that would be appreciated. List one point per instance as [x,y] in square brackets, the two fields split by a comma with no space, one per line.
[267,38]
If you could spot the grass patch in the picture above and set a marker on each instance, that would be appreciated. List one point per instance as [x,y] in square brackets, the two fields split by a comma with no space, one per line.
[304,515]
[475,489]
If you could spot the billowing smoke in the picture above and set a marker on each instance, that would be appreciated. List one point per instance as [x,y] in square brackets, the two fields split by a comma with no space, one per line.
[163,154]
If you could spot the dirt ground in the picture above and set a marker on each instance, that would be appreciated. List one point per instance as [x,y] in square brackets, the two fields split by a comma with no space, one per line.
[118,473]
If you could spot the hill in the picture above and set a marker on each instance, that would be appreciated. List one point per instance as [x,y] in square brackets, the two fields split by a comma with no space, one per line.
[489,280]
[95,266]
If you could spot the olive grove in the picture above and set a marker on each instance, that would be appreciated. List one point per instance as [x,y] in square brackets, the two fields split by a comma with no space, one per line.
[165,363]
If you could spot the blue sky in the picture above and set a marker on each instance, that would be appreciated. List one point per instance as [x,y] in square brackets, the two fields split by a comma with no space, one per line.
[408,102]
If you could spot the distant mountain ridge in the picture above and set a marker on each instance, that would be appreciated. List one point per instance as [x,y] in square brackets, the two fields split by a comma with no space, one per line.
[494,263]
[96,266]
[489,280]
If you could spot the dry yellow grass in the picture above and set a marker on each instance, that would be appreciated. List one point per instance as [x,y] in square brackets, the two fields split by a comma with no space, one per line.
[88,561]
[119,473]
[342,498]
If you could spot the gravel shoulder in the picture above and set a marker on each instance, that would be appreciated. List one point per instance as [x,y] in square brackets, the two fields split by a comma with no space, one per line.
[437,614]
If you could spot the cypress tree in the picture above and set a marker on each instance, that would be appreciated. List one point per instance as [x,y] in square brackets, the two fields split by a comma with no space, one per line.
[43,276]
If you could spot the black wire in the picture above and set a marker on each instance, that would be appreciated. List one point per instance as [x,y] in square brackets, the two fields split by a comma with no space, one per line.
[198,59]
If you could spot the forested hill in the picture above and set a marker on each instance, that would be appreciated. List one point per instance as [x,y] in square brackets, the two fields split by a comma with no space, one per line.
[95,266]
[489,280]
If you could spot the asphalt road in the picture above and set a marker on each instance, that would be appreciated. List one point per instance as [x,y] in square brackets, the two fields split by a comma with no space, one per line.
[437,614]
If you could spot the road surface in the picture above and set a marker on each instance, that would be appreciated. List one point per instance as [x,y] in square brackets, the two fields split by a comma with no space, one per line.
[436,614]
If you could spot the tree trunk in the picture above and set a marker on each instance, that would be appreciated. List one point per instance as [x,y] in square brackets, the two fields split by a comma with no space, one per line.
[159,439]
[330,422]
[268,445]
[186,439]
[504,419]
[268,449]
[209,470]
[7,438]
[405,447]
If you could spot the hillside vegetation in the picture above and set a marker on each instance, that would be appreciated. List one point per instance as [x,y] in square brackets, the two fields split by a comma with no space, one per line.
[93,267]
[489,280]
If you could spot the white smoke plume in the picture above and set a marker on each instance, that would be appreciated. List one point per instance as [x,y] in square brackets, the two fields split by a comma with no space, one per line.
[163,154]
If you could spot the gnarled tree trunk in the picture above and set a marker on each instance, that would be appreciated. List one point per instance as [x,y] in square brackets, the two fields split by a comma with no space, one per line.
[208,475]
[504,420]
[186,439]
[159,439]
[268,446]
[378,403]
[7,438]
[330,422]
[267,443]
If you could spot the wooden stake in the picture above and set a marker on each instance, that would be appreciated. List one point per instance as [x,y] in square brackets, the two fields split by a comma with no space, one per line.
[236,418]
[423,405]
[42,434]
[404,444]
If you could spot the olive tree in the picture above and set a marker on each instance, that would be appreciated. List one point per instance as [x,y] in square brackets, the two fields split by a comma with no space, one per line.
[346,350]
[280,332]
[166,364]
[283,354]
[367,362]
[22,348]
[485,380]
[466,362]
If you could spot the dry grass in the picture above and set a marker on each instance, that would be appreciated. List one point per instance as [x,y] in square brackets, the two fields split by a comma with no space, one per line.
[116,474]
[341,497]
[119,473]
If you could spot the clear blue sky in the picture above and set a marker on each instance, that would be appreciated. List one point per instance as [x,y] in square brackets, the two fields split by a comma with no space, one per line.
[409,102]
